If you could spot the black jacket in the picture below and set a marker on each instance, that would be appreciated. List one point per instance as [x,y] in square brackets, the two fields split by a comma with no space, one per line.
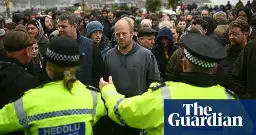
[228,64]
[108,31]
[244,72]
[158,50]
[14,80]
[162,62]
[91,68]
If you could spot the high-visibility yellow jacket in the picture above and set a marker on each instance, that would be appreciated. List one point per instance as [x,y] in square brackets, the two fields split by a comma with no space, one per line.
[146,111]
[53,109]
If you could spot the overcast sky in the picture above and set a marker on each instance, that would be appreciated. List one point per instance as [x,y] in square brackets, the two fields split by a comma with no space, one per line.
[233,2]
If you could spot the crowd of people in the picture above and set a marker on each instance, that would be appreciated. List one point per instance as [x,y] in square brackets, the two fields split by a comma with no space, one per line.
[94,70]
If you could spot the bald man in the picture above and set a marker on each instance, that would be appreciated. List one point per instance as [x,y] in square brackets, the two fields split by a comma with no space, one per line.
[132,67]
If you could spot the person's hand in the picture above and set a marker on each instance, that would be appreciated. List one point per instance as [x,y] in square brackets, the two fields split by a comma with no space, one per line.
[103,83]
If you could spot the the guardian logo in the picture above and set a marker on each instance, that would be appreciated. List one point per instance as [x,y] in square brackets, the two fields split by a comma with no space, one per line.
[197,116]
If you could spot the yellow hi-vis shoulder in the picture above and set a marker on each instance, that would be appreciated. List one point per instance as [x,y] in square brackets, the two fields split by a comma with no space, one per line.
[53,109]
[146,111]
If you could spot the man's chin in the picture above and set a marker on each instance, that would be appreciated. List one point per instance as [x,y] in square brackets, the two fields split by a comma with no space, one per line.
[121,45]
[32,35]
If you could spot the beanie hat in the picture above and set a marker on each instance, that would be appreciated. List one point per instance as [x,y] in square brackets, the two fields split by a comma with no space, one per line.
[17,39]
[63,51]
[33,22]
[93,26]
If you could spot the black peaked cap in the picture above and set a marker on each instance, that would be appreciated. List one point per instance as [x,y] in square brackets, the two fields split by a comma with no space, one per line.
[63,51]
[203,47]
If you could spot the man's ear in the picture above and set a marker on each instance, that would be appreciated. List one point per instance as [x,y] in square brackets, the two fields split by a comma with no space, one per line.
[246,34]
[27,51]
[75,25]
[139,38]
[184,64]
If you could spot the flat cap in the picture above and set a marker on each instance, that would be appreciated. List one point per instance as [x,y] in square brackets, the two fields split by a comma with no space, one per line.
[122,13]
[202,50]
[17,39]
[146,31]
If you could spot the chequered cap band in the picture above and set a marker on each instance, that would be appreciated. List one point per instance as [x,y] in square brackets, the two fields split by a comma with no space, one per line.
[60,57]
[198,62]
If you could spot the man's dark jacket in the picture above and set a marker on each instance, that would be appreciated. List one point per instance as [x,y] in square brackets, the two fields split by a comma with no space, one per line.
[14,80]
[91,68]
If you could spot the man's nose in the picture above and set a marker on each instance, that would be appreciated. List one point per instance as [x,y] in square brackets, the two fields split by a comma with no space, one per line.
[29,30]
[60,29]
[121,36]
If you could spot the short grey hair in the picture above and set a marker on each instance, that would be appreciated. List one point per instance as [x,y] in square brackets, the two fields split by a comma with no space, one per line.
[146,22]
[71,18]
[165,23]
[130,22]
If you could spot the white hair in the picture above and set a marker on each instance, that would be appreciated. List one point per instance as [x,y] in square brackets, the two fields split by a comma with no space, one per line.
[147,22]
[165,23]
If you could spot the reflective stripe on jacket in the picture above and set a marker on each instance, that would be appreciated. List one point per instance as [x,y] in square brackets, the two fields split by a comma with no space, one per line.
[146,111]
[53,109]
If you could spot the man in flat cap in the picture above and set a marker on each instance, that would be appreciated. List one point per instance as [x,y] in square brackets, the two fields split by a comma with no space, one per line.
[14,78]
[146,37]
[146,111]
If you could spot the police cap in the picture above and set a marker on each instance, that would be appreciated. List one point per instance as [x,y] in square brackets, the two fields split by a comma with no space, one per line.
[202,51]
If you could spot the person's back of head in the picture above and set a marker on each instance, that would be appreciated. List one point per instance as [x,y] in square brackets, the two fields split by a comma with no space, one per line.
[212,24]
[200,22]
[201,53]
[220,30]
[221,18]
[17,18]
[63,57]
[165,23]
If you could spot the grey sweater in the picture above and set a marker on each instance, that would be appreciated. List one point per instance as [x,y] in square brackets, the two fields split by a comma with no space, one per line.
[132,73]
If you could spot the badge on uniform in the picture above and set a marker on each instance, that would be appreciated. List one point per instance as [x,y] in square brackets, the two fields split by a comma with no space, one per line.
[70,129]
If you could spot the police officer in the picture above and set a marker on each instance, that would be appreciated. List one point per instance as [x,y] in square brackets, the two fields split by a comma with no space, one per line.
[63,106]
[146,111]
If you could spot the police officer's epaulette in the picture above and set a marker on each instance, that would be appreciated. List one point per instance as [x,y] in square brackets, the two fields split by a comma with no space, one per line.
[92,88]
[159,85]
[231,93]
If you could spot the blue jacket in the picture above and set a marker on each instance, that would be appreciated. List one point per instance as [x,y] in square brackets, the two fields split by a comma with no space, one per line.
[84,72]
